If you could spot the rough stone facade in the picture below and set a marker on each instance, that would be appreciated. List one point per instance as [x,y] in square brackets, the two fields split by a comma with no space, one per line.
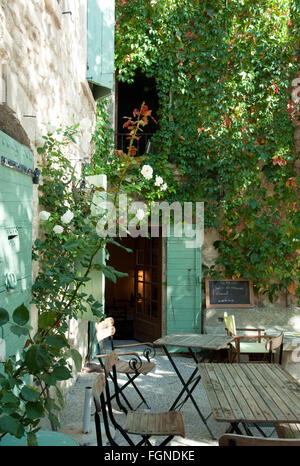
[43,80]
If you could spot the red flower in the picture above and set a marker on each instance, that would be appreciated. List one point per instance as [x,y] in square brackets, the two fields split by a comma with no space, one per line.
[243,129]
[289,23]
[127,59]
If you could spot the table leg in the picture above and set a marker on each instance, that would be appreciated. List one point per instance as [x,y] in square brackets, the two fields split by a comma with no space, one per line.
[185,389]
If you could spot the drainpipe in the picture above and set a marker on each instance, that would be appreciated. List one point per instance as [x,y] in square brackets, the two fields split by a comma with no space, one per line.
[87,410]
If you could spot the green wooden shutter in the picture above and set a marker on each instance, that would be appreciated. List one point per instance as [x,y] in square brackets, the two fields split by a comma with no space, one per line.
[100,45]
[16,191]
[183,287]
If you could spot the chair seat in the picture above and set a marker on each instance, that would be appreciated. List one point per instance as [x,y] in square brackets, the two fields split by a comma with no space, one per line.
[123,367]
[169,423]
[255,347]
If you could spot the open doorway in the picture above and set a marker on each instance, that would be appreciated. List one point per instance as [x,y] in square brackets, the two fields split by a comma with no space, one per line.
[129,97]
[135,301]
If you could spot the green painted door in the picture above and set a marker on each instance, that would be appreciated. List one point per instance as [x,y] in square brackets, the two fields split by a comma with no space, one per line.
[100,45]
[183,286]
[16,191]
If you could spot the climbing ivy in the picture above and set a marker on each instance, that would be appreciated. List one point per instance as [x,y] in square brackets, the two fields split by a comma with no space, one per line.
[223,72]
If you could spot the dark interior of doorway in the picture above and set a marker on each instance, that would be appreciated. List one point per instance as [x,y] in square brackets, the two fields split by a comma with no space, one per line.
[119,296]
[129,97]
[134,301]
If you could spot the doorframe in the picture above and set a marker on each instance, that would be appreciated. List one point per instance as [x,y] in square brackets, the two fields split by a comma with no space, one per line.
[163,286]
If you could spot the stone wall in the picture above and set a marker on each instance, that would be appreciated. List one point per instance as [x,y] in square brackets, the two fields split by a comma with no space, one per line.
[43,80]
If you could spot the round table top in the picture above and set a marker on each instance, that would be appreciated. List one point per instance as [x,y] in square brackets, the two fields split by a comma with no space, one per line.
[45,438]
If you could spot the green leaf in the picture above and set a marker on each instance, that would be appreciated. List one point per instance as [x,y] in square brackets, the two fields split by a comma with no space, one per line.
[4,316]
[11,425]
[30,393]
[61,373]
[76,356]
[57,341]
[47,319]
[34,410]
[21,315]
[36,358]
[10,399]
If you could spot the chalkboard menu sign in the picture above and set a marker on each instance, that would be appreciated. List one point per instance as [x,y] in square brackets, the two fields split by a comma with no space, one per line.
[229,293]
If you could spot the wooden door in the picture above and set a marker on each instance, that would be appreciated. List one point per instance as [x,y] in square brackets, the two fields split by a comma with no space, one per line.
[148,283]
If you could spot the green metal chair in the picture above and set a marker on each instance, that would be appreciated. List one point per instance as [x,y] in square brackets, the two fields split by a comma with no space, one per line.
[254,344]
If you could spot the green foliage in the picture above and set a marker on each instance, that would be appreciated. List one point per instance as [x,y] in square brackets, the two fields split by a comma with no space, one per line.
[65,252]
[223,72]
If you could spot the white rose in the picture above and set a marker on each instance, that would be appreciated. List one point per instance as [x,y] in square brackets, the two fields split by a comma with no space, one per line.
[140,214]
[40,142]
[85,124]
[164,187]
[44,215]
[58,229]
[67,217]
[158,180]
[50,129]
[147,172]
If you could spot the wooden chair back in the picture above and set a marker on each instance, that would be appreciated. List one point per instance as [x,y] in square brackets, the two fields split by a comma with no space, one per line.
[230,323]
[234,440]
[98,389]
[274,343]
[110,361]
[105,329]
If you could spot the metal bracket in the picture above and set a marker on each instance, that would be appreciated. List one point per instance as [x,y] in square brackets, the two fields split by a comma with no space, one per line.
[21,168]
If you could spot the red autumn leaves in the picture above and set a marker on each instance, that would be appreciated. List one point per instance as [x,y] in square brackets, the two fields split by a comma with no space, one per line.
[133,125]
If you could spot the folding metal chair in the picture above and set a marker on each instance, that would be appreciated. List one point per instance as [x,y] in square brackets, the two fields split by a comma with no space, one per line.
[145,425]
[130,368]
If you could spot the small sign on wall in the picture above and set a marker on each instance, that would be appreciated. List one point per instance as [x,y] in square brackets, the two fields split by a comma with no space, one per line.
[229,293]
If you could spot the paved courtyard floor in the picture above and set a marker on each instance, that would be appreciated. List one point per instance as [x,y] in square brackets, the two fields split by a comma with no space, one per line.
[160,389]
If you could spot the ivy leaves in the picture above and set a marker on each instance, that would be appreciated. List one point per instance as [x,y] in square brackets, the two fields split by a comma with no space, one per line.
[223,72]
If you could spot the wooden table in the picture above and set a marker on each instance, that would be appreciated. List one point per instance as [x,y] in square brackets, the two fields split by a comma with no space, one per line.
[251,394]
[192,341]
